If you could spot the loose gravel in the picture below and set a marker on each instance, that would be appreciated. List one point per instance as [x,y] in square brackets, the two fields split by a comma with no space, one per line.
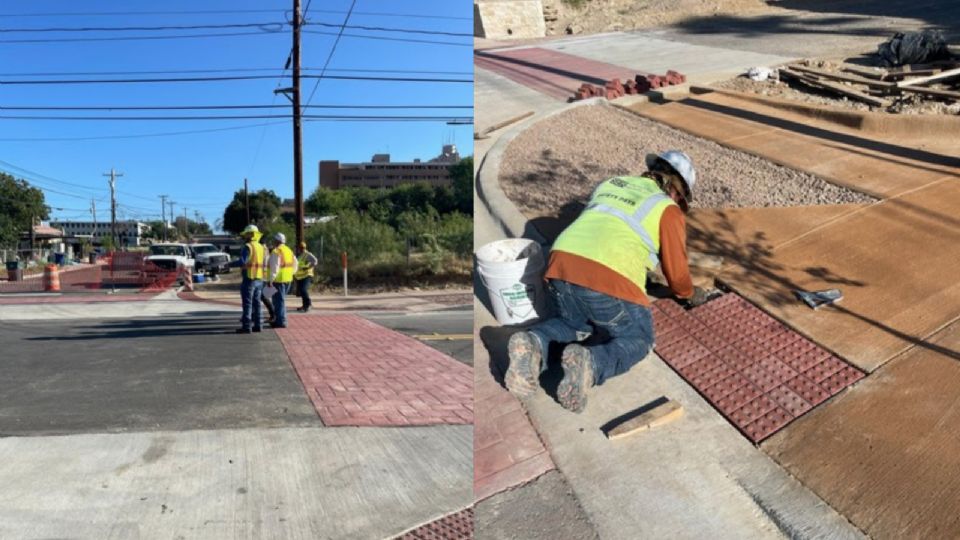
[558,161]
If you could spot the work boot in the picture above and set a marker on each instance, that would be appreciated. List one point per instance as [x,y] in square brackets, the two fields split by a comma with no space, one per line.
[577,377]
[243,330]
[523,374]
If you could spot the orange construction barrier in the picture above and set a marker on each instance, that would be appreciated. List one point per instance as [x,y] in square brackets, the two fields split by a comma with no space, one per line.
[51,278]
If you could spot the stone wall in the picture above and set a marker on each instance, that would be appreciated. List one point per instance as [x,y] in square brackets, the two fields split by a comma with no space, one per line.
[508,19]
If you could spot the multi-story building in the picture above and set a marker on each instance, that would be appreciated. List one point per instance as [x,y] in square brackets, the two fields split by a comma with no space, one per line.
[129,233]
[380,172]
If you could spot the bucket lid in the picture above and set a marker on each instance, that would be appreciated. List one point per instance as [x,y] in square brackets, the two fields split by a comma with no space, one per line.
[508,250]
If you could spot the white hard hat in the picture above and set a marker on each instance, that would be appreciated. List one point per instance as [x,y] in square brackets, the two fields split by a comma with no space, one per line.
[250,229]
[279,237]
[680,163]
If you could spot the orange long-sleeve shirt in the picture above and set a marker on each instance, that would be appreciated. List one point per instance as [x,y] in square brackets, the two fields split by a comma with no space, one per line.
[595,276]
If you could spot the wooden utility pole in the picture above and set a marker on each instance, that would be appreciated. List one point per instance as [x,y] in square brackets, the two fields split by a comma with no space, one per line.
[163,215]
[93,211]
[173,219]
[113,205]
[297,128]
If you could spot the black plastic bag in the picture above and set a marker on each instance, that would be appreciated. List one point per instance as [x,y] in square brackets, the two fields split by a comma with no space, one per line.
[913,48]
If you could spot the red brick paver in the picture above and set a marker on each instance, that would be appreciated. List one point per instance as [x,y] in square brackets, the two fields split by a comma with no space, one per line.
[458,526]
[358,373]
[758,373]
[553,73]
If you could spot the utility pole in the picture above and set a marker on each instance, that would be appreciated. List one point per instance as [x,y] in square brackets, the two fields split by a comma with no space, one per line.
[246,197]
[113,204]
[93,211]
[171,203]
[163,215]
[297,131]
[186,224]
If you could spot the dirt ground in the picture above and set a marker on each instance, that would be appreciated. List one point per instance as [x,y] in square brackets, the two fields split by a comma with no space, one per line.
[552,167]
[792,90]
[595,16]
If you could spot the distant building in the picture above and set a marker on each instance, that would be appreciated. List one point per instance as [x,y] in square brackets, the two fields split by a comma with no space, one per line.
[129,233]
[380,172]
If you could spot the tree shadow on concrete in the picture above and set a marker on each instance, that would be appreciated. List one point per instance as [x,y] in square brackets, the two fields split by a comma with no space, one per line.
[144,328]
[944,16]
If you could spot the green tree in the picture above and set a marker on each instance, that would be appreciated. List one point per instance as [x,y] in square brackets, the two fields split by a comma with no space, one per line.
[329,202]
[363,238]
[20,204]
[264,210]
[462,176]
[411,198]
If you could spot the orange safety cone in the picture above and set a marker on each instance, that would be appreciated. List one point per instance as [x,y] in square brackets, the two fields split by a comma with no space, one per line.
[51,278]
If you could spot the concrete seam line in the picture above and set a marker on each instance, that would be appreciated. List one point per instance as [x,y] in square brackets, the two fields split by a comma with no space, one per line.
[504,213]
[519,485]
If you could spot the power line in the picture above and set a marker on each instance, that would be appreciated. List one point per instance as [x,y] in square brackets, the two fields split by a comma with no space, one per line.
[401,30]
[214,107]
[263,26]
[235,70]
[225,78]
[234,117]
[225,12]
[384,38]
[137,136]
[333,49]
[138,38]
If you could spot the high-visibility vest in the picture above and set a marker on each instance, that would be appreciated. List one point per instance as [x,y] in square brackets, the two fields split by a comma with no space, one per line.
[254,267]
[285,255]
[620,227]
[304,270]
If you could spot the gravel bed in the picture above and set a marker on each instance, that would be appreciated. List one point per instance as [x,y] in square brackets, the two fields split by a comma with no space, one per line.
[558,161]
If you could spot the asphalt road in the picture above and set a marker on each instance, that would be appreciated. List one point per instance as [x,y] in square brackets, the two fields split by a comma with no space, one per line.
[453,328]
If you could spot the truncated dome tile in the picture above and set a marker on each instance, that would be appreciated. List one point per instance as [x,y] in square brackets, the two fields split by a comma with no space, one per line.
[761,377]
[752,410]
[808,390]
[842,379]
[670,307]
[664,325]
[663,340]
[736,359]
[789,400]
[766,425]
[712,377]
[738,398]
[778,369]
[824,369]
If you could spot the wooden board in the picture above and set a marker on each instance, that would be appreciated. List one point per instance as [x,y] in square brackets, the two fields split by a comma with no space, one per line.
[842,77]
[812,80]
[663,412]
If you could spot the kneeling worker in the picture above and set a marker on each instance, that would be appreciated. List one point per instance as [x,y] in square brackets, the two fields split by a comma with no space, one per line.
[597,276]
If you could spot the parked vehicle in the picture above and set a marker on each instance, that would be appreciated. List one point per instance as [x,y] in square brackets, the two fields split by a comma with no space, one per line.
[166,258]
[210,259]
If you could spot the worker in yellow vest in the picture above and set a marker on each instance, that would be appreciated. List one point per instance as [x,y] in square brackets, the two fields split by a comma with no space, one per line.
[306,262]
[253,261]
[597,277]
[282,266]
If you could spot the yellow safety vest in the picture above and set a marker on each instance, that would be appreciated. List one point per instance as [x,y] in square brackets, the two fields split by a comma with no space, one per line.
[285,273]
[620,227]
[303,269]
[254,267]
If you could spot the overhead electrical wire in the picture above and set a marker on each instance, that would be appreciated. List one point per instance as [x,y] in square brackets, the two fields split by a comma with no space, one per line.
[235,70]
[400,30]
[214,107]
[225,78]
[234,117]
[223,34]
[333,49]
[385,38]
[262,25]
[225,12]
[138,135]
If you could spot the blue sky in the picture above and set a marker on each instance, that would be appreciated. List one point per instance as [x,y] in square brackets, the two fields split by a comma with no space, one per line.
[200,171]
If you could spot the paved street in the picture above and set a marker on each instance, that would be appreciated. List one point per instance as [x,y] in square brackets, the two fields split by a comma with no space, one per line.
[181,426]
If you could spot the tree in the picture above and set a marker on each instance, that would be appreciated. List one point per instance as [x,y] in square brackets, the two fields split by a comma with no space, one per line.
[329,202]
[264,210]
[462,176]
[20,205]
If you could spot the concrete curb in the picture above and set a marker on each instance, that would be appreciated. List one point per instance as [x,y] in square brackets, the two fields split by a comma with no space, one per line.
[506,214]
[918,126]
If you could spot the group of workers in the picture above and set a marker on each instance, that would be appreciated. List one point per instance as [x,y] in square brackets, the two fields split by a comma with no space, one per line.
[276,270]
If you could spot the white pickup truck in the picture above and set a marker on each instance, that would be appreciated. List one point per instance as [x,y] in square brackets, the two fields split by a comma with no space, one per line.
[170,258]
[209,259]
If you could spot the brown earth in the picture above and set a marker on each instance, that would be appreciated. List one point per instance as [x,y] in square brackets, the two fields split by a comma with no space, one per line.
[595,16]
[552,167]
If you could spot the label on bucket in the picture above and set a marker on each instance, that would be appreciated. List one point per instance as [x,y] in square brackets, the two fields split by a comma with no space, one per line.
[519,299]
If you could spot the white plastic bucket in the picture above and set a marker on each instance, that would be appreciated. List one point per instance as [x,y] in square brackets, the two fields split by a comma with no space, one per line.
[512,270]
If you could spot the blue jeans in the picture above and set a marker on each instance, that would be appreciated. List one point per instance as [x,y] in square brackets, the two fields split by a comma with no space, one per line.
[626,328]
[280,304]
[250,291]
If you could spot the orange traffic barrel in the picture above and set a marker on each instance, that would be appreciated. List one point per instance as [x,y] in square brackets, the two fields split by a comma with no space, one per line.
[51,278]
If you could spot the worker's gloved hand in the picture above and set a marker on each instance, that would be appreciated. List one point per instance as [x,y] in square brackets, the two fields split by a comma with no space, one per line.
[699,298]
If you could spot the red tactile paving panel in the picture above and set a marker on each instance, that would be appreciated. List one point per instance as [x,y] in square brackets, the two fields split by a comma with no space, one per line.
[757,372]
[358,373]
[550,72]
[457,526]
